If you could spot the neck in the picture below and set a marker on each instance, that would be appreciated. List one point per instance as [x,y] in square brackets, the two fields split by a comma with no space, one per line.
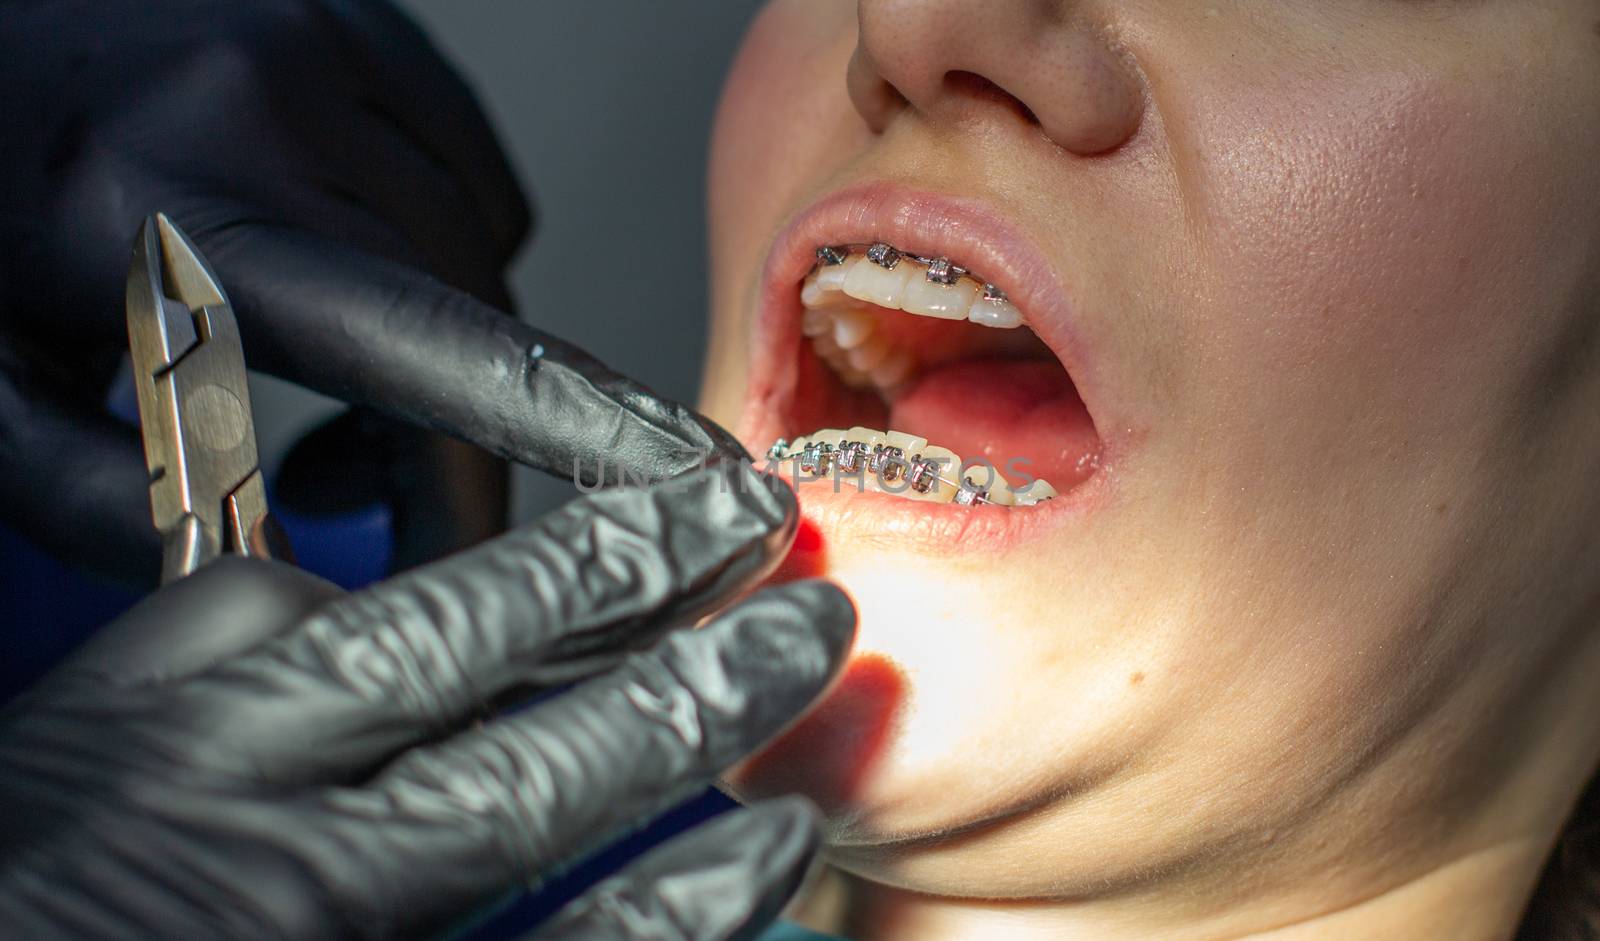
[1478,895]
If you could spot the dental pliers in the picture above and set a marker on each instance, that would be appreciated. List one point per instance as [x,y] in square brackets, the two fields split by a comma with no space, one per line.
[206,490]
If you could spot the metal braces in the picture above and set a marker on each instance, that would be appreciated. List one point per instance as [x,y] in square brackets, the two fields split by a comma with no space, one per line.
[888,463]
[886,256]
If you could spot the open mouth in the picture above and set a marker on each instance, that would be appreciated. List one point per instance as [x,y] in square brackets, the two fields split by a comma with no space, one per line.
[919,378]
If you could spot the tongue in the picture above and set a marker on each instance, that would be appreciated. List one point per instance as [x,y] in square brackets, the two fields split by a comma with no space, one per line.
[1022,416]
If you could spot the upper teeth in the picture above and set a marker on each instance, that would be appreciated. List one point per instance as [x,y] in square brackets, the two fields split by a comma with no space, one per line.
[883,275]
[888,277]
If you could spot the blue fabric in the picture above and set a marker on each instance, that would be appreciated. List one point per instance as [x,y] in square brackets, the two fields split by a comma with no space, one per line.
[785,931]
[524,912]
[49,608]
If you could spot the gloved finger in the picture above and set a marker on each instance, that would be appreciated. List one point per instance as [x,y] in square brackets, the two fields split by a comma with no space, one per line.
[388,337]
[75,483]
[226,608]
[565,598]
[726,880]
[449,825]
[429,100]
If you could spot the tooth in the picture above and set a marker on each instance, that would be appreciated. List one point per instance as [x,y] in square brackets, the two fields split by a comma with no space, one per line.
[854,378]
[831,277]
[994,312]
[868,355]
[815,323]
[907,443]
[865,435]
[991,483]
[945,301]
[890,476]
[839,363]
[823,287]
[867,438]
[826,346]
[852,459]
[940,491]
[789,467]
[828,439]
[1036,492]
[883,255]
[851,328]
[878,285]
[811,294]
[941,271]
[894,369]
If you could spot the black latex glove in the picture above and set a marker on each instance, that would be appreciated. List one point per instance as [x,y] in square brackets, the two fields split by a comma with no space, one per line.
[250,753]
[348,191]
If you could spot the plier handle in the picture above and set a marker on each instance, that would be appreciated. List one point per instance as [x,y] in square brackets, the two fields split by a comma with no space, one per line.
[206,489]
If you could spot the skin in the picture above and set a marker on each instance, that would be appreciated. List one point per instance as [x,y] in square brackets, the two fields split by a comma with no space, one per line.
[1320,663]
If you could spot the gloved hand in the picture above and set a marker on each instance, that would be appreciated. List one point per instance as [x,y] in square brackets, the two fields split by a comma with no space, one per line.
[349,193]
[250,753]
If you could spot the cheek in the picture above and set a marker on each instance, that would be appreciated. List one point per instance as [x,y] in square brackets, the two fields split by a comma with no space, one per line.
[1384,256]
[782,113]
[783,117]
[1384,223]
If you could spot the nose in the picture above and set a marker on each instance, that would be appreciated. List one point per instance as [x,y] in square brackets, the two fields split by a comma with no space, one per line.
[1044,61]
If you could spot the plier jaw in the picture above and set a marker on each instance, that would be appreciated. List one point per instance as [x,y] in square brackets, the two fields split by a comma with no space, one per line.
[206,491]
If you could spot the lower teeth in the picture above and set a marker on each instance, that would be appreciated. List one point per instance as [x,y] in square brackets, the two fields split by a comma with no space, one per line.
[902,465]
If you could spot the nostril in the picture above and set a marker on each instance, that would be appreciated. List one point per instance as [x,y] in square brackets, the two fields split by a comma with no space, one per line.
[962,84]
[874,97]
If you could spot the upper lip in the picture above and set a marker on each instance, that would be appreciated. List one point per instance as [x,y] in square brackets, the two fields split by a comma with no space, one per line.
[963,229]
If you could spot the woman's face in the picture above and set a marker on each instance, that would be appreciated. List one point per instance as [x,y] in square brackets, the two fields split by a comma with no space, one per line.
[1323,275]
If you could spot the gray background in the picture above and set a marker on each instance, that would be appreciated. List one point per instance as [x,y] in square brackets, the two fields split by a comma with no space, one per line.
[605,108]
